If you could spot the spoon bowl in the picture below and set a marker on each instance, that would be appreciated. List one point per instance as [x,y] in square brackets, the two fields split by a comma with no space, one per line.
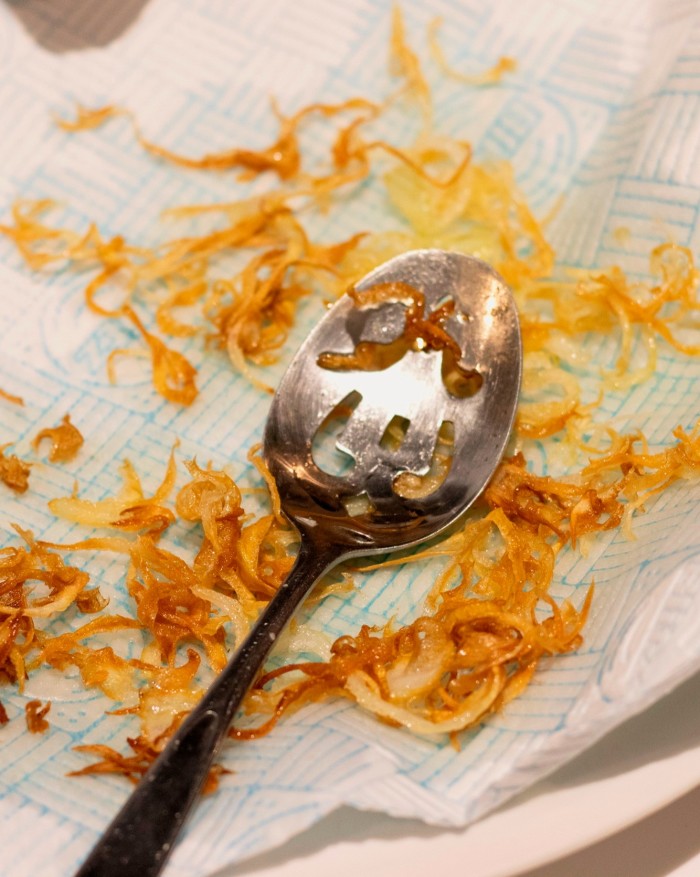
[422,363]
[485,327]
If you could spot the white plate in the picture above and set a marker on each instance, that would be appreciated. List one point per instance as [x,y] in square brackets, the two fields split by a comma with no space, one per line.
[648,762]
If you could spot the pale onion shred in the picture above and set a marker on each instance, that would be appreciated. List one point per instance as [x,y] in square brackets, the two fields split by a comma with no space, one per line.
[489,618]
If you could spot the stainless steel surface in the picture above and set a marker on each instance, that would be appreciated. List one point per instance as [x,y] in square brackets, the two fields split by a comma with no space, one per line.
[319,503]
[486,328]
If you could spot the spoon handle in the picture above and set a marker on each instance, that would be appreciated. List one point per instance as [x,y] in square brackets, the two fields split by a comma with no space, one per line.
[141,836]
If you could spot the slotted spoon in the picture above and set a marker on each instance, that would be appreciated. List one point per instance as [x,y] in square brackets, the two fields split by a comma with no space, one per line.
[348,513]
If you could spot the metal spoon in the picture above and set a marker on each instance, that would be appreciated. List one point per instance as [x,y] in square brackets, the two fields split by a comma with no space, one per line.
[352,513]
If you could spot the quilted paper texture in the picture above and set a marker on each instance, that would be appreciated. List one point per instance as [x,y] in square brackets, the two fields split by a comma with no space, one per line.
[604,110]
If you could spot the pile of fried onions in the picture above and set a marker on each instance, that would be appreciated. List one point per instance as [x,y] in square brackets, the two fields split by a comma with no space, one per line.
[490,617]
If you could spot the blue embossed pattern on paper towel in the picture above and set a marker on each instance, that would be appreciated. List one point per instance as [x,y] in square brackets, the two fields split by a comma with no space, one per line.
[586,114]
